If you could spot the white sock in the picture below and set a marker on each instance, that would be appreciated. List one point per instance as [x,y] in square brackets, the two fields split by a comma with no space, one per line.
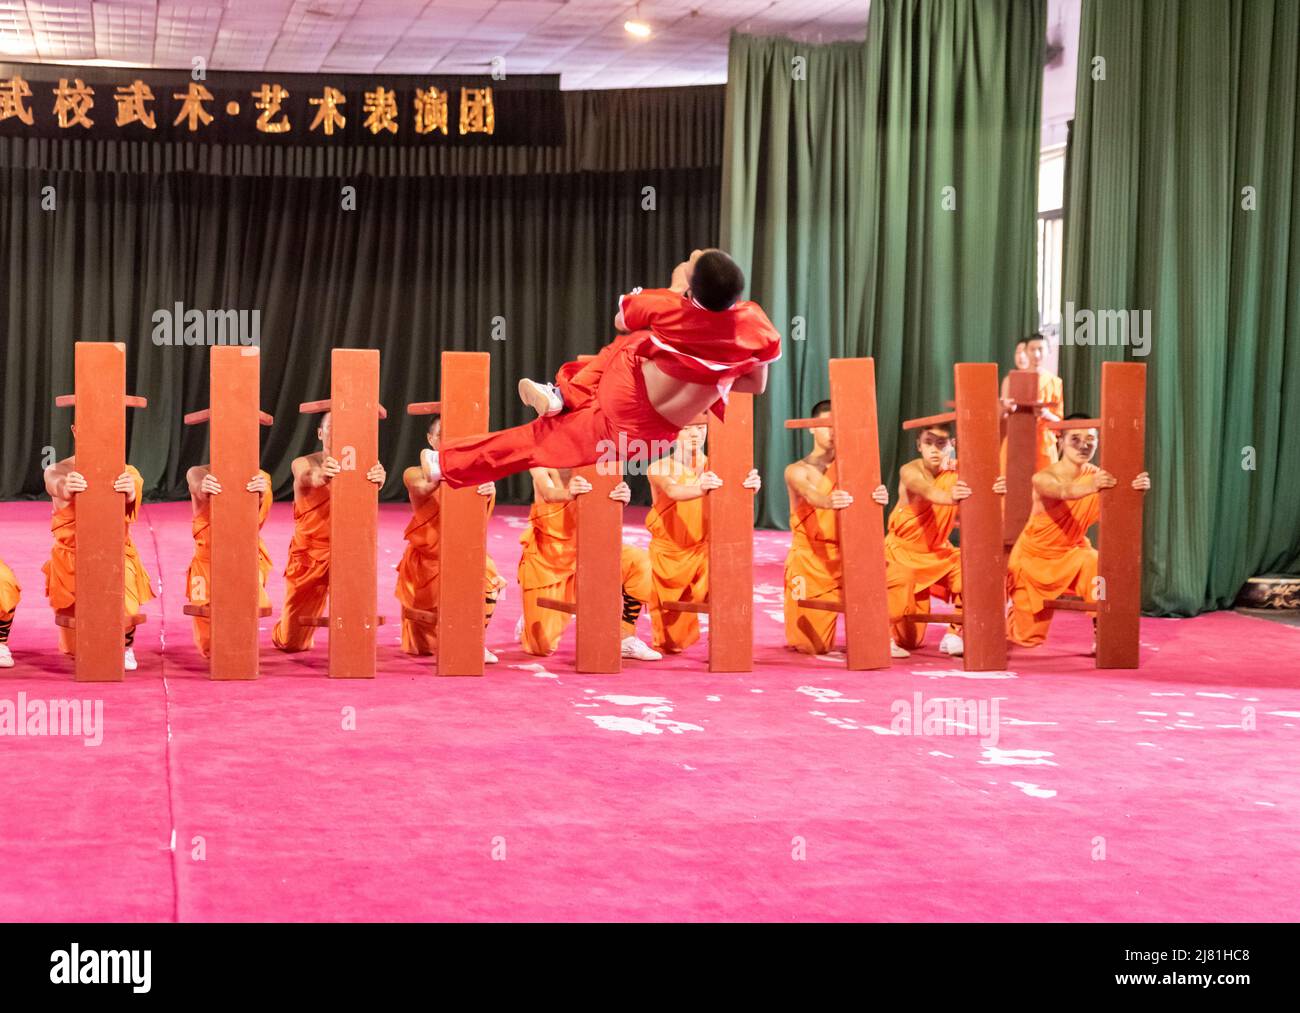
[431,464]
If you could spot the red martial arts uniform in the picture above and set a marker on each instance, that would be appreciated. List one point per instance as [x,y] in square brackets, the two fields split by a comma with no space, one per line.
[607,411]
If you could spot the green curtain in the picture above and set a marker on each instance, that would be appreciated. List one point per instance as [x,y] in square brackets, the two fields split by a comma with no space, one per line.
[425,262]
[888,201]
[1182,105]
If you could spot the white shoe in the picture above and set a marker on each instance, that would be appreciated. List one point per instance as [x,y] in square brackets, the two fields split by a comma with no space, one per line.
[6,659]
[951,645]
[634,648]
[129,662]
[430,464]
[489,658]
[543,398]
[897,652]
[519,631]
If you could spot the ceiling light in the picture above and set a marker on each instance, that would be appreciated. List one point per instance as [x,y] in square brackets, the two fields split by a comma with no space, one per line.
[638,28]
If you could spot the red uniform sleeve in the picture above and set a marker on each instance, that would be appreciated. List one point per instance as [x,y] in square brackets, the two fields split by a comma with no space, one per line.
[640,306]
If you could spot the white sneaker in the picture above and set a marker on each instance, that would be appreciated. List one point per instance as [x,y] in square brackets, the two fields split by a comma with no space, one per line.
[519,631]
[489,658]
[129,662]
[543,398]
[6,659]
[897,652]
[634,648]
[951,645]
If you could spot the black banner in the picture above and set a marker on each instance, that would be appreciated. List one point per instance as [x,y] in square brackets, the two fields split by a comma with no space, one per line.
[52,101]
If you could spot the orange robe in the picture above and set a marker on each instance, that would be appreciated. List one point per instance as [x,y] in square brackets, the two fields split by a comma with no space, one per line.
[307,572]
[917,540]
[1051,558]
[814,571]
[417,577]
[10,595]
[198,577]
[1050,389]
[61,570]
[548,568]
[679,561]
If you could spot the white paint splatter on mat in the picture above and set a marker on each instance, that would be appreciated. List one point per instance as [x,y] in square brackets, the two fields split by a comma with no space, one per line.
[538,671]
[654,718]
[960,673]
[825,695]
[995,757]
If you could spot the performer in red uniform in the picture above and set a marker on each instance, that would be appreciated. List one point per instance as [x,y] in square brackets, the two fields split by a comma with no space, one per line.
[686,349]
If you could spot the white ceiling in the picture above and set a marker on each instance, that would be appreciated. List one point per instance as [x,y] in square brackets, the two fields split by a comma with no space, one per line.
[582,40]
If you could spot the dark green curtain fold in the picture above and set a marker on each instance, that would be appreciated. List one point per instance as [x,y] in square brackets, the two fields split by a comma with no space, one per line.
[425,262]
[887,201]
[1183,201]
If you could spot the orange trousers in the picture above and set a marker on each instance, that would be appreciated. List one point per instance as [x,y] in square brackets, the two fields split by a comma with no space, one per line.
[607,416]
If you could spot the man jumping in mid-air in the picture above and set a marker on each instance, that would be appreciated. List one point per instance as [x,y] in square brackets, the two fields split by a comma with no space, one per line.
[686,348]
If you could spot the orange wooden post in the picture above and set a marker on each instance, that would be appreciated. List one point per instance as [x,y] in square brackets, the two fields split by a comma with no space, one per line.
[982,568]
[1119,538]
[599,578]
[234,418]
[861,526]
[354,511]
[100,452]
[1022,453]
[730,516]
[462,549]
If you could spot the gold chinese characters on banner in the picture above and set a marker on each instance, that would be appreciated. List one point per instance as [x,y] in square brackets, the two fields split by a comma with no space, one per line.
[196,109]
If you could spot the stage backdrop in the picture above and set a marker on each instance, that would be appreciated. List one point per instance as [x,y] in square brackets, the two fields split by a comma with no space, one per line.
[882,200]
[519,251]
[1184,203]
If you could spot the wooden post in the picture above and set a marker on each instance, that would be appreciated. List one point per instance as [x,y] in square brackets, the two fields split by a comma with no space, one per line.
[983,572]
[462,549]
[354,512]
[100,404]
[233,595]
[599,579]
[863,603]
[730,519]
[1022,455]
[861,526]
[1123,443]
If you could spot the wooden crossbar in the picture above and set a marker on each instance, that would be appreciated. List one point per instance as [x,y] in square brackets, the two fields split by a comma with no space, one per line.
[930,420]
